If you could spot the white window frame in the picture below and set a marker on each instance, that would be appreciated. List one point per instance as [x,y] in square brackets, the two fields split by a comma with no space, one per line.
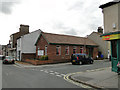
[81,48]
[40,52]
[67,47]
[74,47]
[58,49]
[46,47]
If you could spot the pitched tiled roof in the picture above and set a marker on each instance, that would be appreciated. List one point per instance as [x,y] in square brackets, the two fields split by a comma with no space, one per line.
[97,33]
[67,40]
[109,4]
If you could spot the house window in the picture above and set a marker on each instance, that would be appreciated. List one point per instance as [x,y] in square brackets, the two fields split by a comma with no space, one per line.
[40,52]
[67,50]
[74,49]
[38,48]
[45,50]
[114,48]
[81,49]
[58,50]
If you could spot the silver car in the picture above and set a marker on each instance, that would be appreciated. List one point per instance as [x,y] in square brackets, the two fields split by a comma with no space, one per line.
[2,57]
[8,59]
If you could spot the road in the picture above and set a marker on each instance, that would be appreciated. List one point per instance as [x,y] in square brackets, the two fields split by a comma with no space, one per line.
[45,76]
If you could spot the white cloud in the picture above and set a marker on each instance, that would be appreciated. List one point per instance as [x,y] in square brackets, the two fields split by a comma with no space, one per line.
[74,17]
[6,5]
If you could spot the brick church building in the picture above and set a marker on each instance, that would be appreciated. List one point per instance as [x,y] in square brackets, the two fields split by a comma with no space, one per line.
[60,47]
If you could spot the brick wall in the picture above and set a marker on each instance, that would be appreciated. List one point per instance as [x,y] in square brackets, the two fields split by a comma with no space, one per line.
[95,52]
[39,62]
[51,51]
[41,45]
[28,56]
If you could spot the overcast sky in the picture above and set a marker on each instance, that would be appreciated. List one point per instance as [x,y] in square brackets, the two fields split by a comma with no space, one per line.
[71,17]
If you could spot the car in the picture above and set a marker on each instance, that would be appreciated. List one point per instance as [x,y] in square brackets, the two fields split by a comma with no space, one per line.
[81,59]
[2,57]
[8,59]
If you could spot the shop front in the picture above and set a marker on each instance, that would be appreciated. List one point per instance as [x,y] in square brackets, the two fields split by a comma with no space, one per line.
[114,38]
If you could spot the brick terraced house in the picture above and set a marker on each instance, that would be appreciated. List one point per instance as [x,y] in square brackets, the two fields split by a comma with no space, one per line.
[60,47]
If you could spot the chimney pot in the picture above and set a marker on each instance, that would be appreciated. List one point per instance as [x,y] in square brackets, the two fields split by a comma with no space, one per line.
[100,30]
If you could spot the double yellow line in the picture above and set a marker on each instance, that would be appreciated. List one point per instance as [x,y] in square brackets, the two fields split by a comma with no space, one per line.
[67,77]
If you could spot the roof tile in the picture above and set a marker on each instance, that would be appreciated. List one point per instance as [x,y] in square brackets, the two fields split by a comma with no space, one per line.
[66,39]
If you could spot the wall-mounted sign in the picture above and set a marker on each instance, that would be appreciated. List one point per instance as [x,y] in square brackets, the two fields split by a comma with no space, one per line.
[111,37]
[40,52]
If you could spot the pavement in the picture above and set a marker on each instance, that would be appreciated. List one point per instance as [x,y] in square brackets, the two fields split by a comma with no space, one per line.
[28,65]
[23,64]
[102,78]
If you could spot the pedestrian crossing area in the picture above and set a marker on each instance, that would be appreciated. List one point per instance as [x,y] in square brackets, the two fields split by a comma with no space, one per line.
[50,72]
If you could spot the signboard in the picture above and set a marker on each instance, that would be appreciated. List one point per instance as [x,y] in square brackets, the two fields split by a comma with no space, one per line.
[111,37]
[40,52]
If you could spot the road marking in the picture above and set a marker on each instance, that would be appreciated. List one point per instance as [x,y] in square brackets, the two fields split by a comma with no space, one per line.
[41,70]
[46,71]
[87,70]
[92,70]
[52,73]
[66,77]
[58,75]
[63,74]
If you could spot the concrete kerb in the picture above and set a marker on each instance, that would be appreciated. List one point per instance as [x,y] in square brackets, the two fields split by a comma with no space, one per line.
[19,65]
[82,82]
[70,76]
[27,66]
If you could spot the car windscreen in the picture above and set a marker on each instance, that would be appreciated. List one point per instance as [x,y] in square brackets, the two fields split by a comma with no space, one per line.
[86,56]
[74,56]
[9,58]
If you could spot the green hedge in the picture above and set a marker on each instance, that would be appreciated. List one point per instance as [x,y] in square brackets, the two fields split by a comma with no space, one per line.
[45,57]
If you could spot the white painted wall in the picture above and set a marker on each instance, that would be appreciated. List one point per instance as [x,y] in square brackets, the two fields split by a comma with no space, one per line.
[26,44]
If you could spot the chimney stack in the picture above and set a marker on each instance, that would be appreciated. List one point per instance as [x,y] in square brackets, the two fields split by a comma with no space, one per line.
[100,30]
[24,29]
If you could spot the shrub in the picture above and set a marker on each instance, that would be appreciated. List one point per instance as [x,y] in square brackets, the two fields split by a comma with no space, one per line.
[42,58]
[45,57]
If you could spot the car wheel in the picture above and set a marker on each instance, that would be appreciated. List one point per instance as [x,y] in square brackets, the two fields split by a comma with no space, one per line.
[73,63]
[91,62]
[80,63]
[13,62]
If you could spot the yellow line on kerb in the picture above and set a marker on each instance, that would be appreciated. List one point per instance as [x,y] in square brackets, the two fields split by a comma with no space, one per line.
[66,77]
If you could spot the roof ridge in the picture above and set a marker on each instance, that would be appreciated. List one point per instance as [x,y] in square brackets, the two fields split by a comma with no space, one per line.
[63,35]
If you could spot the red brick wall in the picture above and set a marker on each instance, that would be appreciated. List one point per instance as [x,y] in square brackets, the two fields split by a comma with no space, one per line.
[39,62]
[28,56]
[41,44]
[51,51]
[95,52]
